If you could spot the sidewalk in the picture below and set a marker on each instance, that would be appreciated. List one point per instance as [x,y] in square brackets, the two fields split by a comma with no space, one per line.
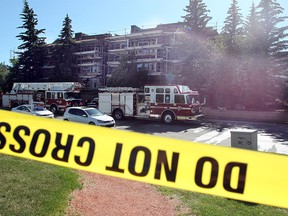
[242,115]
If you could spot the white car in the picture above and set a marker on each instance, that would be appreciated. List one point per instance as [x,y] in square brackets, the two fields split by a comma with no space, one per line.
[34,109]
[88,115]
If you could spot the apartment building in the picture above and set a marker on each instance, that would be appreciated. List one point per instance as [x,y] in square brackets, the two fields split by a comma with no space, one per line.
[92,57]
[98,55]
[152,47]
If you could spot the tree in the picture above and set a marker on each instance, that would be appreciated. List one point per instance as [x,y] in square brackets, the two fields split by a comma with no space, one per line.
[3,73]
[195,64]
[66,35]
[273,37]
[250,78]
[127,74]
[29,66]
[63,57]
[273,41]
[197,19]
[225,80]
[3,70]
[252,32]
[192,48]
[12,75]
[233,26]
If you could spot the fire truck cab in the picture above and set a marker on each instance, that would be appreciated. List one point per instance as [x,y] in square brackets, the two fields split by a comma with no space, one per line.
[165,102]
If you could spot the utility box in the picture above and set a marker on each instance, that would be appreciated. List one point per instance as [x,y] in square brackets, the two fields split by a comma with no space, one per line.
[245,139]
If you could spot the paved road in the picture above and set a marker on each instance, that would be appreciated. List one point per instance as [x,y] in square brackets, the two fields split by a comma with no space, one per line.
[271,137]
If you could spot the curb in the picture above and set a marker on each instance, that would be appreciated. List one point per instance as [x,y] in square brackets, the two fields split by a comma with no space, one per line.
[242,115]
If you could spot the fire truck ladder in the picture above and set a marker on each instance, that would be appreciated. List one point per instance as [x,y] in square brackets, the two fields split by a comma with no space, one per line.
[57,86]
[118,89]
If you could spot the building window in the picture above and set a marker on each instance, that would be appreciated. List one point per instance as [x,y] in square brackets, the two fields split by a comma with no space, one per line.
[144,43]
[153,41]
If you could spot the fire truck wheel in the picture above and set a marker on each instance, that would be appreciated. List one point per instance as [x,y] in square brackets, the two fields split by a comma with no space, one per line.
[168,117]
[118,114]
[53,109]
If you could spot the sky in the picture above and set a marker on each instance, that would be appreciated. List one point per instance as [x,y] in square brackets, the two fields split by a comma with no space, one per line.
[109,16]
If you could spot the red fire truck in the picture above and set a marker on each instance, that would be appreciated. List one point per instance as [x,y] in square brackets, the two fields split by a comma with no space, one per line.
[57,96]
[165,102]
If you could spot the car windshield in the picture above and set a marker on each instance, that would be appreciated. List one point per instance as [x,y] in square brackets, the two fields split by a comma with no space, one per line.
[94,112]
[28,107]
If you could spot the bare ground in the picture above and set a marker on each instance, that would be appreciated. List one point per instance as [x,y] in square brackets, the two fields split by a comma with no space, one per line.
[108,196]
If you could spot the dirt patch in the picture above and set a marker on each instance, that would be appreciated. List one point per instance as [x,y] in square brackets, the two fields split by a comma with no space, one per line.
[105,195]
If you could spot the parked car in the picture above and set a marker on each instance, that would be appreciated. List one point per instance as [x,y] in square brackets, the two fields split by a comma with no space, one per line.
[33,109]
[88,115]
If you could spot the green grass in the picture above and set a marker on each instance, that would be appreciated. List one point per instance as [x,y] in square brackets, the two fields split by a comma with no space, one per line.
[207,205]
[34,188]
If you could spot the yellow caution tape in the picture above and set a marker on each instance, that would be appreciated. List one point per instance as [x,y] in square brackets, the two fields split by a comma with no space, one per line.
[228,172]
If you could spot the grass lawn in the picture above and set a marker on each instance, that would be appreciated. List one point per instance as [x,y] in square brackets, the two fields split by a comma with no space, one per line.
[33,188]
[207,205]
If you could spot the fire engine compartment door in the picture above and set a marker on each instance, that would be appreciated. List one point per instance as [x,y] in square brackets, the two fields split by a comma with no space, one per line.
[126,103]
[105,103]
[143,108]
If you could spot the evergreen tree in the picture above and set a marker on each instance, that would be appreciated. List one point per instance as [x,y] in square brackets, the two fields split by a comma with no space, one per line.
[197,18]
[226,77]
[29,66]
[12,75]
[193,48]
[66,34]
[273,37]
[195,64]
[233,26]
[3,70]
[252,31]
[3,73]
[273,40]
[63,57]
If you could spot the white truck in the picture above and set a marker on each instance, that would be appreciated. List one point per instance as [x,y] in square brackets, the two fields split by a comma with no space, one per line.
[165,102]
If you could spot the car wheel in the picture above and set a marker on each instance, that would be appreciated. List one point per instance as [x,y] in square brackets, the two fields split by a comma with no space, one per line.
[66,120]
[118,114]
[168,118]
[91,123]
